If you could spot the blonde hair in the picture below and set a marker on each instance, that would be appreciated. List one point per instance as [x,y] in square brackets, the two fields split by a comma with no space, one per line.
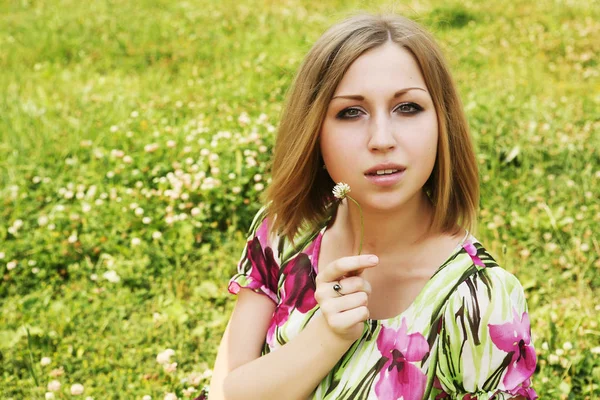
[300,190]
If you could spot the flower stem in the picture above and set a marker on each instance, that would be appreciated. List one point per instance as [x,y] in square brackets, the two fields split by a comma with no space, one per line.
[362,227]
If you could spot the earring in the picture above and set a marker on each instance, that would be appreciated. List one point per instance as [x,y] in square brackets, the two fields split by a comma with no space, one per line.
[324,167]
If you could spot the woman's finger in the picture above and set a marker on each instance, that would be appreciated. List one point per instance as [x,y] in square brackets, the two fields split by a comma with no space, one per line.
[347,302]
[354,284]
[342,322]
[345,266]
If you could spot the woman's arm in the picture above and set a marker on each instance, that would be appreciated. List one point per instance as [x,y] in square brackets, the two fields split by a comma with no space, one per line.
[291,372]
[296,369]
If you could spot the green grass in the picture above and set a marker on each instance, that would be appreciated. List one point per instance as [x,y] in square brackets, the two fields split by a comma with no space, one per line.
[87,88]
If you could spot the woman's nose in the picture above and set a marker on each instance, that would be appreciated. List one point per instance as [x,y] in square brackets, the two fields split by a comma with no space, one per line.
[381,135]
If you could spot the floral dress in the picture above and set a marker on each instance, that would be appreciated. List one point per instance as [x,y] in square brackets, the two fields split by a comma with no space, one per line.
[465,336]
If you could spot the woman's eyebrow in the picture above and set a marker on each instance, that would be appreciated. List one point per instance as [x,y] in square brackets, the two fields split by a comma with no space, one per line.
[359,97]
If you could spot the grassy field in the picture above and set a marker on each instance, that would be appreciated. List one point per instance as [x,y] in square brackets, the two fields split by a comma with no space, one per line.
[134,145]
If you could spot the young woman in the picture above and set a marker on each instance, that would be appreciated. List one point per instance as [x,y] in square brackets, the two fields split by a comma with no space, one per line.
[423,311]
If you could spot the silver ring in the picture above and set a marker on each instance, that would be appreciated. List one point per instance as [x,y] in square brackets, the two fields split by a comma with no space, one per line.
[337,288]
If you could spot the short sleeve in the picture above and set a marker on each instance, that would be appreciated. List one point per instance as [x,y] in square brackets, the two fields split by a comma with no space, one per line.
[485,349]
[258,268]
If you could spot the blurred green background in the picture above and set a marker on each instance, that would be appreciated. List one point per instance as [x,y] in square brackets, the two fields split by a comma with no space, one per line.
[134,145]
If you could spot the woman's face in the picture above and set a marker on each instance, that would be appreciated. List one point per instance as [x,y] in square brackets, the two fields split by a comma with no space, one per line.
[381,117]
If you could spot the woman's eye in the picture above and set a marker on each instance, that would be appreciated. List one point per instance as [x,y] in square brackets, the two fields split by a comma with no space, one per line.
[409,108]
[348,113]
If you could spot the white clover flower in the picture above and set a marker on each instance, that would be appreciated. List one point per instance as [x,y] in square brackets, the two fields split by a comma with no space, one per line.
[146,397]
[170,367]
[117,153]
[49,396]
[2,255]
[54,386]
[236,189]
[165,356]
[207,374]
[259,186]
[139,211]
[111,276]
[341,190]
[77,389]
[45,361]
[171,396]
[127,159]
[560,352]
[150,148]
[146,220]
[244,118]
[94,277]
[11,265]
[568,346]
[194,378]
[136,241]
[85,207]
[195,212]
[72,238]
[188,392]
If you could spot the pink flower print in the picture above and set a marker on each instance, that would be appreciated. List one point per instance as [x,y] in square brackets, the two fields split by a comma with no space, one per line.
[399,378]
[525,390]
[298,292]
[515,338]
[265,270]
[472,250]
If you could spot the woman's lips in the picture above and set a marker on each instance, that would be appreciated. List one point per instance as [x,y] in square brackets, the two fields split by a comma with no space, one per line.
[386,179]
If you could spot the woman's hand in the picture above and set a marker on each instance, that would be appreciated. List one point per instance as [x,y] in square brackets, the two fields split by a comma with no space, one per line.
[345,310]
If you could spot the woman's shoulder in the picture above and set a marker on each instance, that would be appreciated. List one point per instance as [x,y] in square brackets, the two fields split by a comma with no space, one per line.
[262,228]
[488,281]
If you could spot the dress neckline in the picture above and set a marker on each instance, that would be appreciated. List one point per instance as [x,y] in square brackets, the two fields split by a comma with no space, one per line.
[317,252]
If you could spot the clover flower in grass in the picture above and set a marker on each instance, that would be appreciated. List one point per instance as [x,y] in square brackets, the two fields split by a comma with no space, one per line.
[54,386]
[170,367]
[77,389]
[165,356]
[340,192]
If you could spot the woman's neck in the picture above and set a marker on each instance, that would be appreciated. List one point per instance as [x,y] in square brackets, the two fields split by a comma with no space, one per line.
[387,231]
